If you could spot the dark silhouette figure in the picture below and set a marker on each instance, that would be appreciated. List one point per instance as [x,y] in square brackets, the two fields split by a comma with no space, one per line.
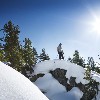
[60,51]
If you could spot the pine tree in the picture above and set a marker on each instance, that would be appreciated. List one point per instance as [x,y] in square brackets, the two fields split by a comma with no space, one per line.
[29,55]
[91,89]
[43,56]
[97,68]
[35,55]
[91,63]
[12,46]
[1,53]
[77,59]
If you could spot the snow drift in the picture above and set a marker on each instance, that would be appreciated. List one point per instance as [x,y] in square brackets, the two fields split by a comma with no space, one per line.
[14,86]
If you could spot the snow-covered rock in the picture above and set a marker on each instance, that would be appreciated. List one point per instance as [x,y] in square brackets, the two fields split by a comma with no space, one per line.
[72,69]
[51,83]
[14,86]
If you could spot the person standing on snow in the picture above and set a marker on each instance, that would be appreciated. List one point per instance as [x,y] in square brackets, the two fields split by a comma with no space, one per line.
[60,51]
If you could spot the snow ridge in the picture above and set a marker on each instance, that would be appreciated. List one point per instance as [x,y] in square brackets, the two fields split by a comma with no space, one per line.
[14,86]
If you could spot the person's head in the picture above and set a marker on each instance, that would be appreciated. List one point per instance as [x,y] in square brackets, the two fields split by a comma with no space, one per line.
[60,44]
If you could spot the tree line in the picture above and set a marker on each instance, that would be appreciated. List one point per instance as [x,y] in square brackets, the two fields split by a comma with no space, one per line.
[90,63]
[24,57]
[20,57]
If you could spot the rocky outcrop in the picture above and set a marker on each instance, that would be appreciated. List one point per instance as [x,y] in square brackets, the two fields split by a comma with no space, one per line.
[59,74]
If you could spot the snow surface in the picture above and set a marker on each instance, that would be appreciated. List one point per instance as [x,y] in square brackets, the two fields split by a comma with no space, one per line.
[14,86]
[49,85]
[72,69]
[73,94]
[95,76]
[53,89]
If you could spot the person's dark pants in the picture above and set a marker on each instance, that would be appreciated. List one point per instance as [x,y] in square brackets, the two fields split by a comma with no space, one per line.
[60,55]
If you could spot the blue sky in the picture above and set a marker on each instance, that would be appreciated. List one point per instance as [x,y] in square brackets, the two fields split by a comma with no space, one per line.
[49,22]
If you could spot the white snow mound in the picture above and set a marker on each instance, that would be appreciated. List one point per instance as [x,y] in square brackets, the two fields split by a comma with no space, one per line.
[56,91]
[49,85]
[72,69]
[14,86]
[73,94]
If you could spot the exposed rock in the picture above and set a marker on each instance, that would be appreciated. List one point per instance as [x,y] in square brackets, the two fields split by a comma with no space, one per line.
[68,87]
[59,74]
[35,77]
[72,81]
[80,86]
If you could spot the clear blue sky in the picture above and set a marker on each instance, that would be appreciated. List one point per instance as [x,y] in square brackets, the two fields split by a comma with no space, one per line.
[49,22]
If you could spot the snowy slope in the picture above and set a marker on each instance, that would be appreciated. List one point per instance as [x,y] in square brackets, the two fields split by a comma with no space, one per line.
[14,86]
[52,88]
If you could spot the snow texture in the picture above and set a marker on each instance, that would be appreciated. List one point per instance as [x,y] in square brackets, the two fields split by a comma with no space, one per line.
[14,86]
[73,94]
[72,69]
[95,76]
[50,85]
[56,91]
